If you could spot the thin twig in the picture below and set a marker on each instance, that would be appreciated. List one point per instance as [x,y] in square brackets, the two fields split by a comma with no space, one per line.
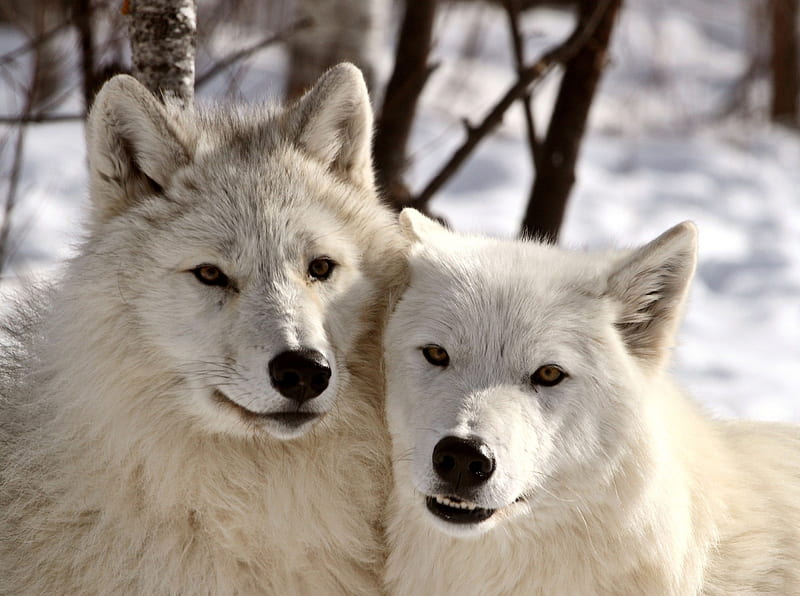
[11,194]
[34,44]
[512,11]
[225,62]
[40,118]
[527,76]
[57,99]
[19,149]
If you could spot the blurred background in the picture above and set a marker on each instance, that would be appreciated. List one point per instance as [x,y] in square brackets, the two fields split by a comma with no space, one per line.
[593,123]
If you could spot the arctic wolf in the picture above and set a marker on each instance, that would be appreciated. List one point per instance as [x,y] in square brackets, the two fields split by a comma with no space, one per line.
[540,447]
[197,407]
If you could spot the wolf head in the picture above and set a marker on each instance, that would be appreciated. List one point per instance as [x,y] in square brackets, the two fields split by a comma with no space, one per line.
[243,245]
[518,373]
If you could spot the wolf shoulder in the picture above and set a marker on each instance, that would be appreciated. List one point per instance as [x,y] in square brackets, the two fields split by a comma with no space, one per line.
[758,541]
[769,453]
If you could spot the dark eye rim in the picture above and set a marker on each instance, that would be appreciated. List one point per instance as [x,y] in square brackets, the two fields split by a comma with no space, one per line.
[537,381]
[222,280]
[324,259]
[426,354]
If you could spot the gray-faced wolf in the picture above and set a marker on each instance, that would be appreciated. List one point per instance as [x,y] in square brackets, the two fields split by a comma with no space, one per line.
[196,406]
[540,446]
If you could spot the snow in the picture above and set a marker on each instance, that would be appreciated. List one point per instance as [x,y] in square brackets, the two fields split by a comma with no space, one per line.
[660,150]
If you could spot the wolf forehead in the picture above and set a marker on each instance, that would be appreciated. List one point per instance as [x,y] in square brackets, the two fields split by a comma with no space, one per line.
[517,282]
[244,162]
[246,180]
[271,194]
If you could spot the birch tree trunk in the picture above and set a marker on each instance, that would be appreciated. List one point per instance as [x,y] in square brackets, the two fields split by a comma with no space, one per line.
[163,36]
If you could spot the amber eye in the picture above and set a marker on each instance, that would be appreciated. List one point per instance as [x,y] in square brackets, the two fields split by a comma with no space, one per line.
[321,268]
[548,375]
[436,355]
[211,275]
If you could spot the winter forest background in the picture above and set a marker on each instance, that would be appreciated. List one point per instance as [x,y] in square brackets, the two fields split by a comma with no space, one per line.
[663,111]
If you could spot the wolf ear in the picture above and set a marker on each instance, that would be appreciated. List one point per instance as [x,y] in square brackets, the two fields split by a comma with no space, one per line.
[133,147]
[335,124]
[651,284]
[416,227]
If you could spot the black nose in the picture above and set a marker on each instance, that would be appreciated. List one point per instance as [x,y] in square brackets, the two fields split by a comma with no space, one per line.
[299,374]
[464,463]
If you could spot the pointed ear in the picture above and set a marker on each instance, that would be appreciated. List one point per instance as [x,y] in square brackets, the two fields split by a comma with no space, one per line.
[651,285]
[335,124]
[133,145]
[417,227]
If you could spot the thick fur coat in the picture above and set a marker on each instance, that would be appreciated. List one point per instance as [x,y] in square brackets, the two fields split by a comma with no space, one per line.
[145,449]
[540,446]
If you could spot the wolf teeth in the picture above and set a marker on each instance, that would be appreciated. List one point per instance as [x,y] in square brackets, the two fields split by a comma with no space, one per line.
[456,504]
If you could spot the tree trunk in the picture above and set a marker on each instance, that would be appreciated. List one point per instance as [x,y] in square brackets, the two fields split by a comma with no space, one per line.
[163,35]
[784,65]
[410,73]
[556,176]
[341,31]
[82,18]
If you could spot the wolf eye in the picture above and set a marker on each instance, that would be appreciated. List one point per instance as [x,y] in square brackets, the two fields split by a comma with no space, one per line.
[321,268]
[548,375]
[436,355]
[211,275]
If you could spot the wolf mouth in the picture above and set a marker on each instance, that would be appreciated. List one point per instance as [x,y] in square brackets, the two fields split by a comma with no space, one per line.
[290,419]
[457,511]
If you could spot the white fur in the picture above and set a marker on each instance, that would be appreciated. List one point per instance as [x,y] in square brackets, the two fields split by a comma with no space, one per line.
[610,482]
[122,471]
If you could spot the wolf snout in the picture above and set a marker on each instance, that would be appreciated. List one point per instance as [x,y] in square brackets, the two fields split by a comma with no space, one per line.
[299,375]
[464,463]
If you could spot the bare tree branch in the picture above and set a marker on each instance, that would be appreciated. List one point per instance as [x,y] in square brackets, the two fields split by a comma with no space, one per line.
[234,57]
[35,43]
[41,118]
[411,72]
[19,149]
[512,11]
[11,194]
[528,76]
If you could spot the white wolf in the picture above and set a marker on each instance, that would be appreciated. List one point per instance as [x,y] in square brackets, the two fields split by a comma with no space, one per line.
[540,447]
[197,407]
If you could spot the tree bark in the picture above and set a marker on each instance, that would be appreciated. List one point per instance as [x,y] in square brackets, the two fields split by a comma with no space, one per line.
[411,71]
[556,175]
[163,36]
[784,64]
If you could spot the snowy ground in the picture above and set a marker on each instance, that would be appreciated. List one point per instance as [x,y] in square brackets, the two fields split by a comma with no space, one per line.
[658,152]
